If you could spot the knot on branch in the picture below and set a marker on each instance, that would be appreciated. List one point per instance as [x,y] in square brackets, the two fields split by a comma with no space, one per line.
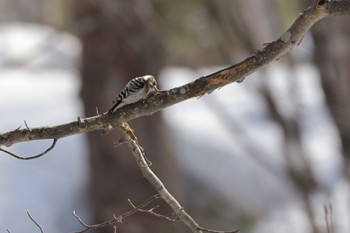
[321,2]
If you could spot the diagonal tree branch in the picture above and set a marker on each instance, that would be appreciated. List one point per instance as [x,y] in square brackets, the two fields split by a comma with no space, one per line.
[35,222]
[157,184]
[151,177]
[203,85]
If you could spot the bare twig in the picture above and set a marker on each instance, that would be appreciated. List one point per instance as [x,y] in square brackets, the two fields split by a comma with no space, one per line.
[81,221]
[115,219]
[97,113]
[25,123]
[31,157]
[206,84]
[35,222]
[154,180]
[151,211]
[157,183]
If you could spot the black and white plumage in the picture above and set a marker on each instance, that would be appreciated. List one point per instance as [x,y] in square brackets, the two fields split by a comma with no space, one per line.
[135,90]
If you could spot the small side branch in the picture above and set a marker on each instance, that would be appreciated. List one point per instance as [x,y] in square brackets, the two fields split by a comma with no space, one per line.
[31,157]
[151,212]
[25,123]
[35,222]
[115,220]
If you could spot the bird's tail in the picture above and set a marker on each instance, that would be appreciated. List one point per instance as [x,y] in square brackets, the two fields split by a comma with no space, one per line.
[114,106]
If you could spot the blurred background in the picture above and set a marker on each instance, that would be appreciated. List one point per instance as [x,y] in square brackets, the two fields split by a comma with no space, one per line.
[269,155]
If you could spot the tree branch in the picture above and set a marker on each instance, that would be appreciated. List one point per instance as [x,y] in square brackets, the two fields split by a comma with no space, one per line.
[204,85]
[30,157]
[115,220]
[152,178]
[151,212]
[35,222]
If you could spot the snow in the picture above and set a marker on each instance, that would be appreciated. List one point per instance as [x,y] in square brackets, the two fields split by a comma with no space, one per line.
[41,95]
[214,137]
[213,141]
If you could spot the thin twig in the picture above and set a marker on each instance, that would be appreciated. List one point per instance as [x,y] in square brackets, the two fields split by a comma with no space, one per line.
[215,231]
[30,157]
[115,219]
[25,123]
[151,212]
[120,142]
[80,220]
[35,222]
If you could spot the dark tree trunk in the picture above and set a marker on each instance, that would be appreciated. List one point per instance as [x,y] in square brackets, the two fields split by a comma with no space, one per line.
[332,57]
[116,48]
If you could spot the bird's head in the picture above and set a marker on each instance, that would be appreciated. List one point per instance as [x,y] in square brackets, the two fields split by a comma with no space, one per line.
[151,81]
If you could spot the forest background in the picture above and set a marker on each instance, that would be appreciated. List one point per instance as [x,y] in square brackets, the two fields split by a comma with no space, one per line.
[267,155]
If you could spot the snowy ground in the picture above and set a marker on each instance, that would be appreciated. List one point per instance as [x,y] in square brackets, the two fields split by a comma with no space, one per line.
[41,93]
[211,135]
[212,147]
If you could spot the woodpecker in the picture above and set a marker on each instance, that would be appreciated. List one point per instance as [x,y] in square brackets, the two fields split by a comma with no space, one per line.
[135,90]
